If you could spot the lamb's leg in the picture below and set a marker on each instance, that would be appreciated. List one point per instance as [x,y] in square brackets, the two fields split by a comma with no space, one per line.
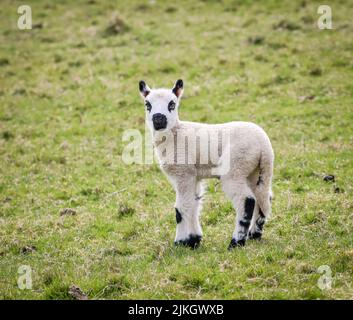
[244,203]
[260,186]
[257,225]
[187,208]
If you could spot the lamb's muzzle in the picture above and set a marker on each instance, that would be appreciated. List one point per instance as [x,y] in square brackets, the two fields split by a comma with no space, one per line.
[159,121]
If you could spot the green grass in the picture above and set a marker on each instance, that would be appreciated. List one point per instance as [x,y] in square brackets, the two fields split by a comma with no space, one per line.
[68,90]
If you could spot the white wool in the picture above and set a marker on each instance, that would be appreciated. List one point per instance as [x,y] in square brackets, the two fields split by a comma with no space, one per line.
[243,163]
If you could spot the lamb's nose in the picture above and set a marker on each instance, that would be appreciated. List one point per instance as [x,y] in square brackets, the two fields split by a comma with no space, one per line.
[159,121]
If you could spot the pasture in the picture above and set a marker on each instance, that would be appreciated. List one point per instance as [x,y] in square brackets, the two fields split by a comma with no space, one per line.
[74,212]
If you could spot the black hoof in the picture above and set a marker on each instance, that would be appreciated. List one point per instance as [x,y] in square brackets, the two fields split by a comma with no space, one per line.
[236,243]
[255,236]
[193,241]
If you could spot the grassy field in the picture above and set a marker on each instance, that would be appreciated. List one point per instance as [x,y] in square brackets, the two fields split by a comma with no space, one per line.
[69,89]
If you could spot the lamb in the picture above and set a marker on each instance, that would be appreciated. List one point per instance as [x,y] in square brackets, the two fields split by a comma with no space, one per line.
[238,153]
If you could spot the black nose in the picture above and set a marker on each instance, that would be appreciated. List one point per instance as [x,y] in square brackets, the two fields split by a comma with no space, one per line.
[159,121]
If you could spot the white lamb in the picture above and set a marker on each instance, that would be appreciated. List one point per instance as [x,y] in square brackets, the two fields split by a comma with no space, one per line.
[242,159]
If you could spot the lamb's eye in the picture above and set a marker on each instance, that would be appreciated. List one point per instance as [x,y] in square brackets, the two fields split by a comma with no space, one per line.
[171,106]
[148,106]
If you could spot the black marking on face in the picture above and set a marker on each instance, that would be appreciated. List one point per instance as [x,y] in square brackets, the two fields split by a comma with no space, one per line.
[249,208]
[236,243]
[178,216]
[148,106]
[261,213]
[193,241]
[171,106]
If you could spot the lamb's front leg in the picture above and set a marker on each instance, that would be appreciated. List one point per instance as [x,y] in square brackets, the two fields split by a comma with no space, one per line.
[187,209]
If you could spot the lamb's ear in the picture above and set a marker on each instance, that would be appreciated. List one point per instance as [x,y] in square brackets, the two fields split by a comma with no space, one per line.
[144,89]
[178,88]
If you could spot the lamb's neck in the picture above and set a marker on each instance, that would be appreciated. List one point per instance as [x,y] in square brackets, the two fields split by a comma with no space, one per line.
[163,138]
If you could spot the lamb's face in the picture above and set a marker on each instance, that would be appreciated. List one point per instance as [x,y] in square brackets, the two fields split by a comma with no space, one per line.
[161,105]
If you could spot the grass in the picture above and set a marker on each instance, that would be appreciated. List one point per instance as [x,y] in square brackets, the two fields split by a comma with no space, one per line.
[68,90]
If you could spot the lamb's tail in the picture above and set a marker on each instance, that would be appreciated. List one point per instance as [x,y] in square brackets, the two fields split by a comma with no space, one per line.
[263,192]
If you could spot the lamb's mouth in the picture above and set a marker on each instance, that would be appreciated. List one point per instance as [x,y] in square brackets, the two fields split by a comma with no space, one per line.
[159,127]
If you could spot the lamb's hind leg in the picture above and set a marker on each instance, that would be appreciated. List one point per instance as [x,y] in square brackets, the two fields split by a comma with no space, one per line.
[244,202]
[257,225]
[261,186]
[187,209]
[258,219]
